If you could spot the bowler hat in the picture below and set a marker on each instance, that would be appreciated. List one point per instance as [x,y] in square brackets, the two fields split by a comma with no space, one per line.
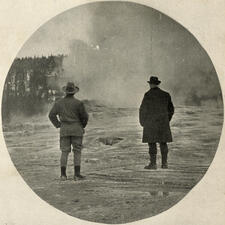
[70,88]
[154,80]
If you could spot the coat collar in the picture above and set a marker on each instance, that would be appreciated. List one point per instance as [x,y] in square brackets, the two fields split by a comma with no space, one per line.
[155,88]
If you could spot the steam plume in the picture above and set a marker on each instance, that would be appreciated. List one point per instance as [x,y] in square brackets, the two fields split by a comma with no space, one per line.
[113,47]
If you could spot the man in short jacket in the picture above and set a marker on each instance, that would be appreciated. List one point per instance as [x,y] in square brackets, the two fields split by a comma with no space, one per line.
[70,116]
[155,113]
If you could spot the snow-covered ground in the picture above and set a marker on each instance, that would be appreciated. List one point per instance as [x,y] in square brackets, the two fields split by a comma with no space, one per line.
[117,189]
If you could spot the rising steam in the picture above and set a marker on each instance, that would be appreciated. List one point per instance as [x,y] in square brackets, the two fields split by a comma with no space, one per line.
[113,47]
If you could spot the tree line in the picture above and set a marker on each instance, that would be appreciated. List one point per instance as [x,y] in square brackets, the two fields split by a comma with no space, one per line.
[31,84]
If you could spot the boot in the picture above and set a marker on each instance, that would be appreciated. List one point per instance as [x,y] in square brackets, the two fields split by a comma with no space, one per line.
[164,161]
[152,165]
[77,173]
[63,176]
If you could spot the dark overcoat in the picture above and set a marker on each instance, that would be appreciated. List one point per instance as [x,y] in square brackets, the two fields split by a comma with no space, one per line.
[155,112]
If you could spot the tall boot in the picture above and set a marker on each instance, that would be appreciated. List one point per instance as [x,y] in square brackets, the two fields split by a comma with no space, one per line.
[77,173]
[63,173]
[164,153]
[152,165]
[164,161]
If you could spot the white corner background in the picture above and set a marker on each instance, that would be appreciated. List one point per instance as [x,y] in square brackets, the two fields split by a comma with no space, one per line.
[204,205]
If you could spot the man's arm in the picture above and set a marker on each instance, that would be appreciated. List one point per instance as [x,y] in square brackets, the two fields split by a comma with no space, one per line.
[53,116]
[83,115]
[142,112]
[170,108]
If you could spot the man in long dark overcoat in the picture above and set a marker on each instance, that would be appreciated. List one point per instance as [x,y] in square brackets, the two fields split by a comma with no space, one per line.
[155,113]
[70,116]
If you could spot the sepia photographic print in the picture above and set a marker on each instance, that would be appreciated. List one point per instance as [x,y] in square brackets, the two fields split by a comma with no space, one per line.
[112,112]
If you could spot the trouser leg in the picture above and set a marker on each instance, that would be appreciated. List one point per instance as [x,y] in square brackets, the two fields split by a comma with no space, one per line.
[152,154]
[77,147]
[63,164]
[64,159]
[77,157]
[152,148]
[164,154]
[65,147]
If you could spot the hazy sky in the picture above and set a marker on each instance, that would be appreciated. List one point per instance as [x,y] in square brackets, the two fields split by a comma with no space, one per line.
[113,47]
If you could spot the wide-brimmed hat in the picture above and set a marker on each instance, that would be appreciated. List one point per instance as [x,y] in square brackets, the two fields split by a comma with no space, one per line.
[154,80]
[70,88]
